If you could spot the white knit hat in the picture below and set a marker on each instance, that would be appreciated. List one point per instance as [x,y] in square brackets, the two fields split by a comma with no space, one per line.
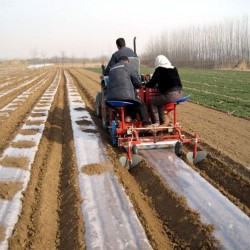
[162,61]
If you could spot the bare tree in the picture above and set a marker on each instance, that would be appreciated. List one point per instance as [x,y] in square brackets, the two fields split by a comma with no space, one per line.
[72,60]
[63,57]
[43,55]
[215,45]
[34,53]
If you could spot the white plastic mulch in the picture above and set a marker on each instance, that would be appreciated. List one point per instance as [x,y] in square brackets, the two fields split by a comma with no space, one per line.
[19,100]
[10,209]
[20,85]
[231,225]
[109,218]
[39,65]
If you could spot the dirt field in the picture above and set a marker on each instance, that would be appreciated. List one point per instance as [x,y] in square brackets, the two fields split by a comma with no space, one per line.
[51,215]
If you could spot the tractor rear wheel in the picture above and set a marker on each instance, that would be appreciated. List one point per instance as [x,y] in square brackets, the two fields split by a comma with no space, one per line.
[105,117]
[98,104]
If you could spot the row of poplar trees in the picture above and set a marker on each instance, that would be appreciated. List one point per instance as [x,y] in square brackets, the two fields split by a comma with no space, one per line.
[218,45]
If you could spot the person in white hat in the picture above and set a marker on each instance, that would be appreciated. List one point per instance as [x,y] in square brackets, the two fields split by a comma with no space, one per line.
[167,80]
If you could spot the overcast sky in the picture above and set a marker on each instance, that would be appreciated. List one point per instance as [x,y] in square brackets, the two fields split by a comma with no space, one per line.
[89,28]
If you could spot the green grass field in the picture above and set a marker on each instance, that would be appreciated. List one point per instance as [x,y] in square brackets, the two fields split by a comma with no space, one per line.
[226,90]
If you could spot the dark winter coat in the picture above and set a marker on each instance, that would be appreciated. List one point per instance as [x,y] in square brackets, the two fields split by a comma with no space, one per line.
[123,82]
[124,51]
[167,80]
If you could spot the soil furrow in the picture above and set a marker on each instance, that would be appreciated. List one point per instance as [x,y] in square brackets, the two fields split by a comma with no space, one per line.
[18,80]
[51,213]
[38,223]
[5,99]
[10,125]
[70,221]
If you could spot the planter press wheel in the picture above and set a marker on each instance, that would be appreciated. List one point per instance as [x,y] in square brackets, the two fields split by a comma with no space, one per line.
[134,161]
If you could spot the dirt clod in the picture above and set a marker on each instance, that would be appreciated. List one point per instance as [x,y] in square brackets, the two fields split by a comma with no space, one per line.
[23,144]
[15,162]
[29,131]
[95,168]
[9,189]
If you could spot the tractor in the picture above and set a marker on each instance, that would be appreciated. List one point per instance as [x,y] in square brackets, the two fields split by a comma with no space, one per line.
[127,132]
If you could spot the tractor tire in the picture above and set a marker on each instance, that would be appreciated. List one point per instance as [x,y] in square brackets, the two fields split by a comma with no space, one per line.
[98,104]
[105,117]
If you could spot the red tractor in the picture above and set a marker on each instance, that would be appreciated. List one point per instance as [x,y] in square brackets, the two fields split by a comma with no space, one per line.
[129,134]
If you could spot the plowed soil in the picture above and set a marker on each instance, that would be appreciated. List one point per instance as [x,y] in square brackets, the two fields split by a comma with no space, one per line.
[51,215]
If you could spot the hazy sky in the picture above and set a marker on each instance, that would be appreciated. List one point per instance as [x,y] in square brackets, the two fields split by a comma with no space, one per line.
[89,28]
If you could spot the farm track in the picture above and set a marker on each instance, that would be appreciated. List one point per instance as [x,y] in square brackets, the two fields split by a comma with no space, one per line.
[51,214]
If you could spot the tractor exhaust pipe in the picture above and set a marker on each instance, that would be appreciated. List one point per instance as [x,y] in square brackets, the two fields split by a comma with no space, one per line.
[135,45]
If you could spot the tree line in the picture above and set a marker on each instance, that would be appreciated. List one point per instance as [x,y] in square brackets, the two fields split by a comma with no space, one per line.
[218,45]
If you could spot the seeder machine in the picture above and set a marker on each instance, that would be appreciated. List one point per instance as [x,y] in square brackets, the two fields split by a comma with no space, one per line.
[128,133]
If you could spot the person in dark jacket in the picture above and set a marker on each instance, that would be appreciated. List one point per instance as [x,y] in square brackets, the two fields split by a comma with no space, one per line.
[123,82]
[167,80]
[122,51]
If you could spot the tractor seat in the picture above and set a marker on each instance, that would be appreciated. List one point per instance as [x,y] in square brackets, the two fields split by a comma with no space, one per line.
[118,104]
[170,106]
[183,99]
